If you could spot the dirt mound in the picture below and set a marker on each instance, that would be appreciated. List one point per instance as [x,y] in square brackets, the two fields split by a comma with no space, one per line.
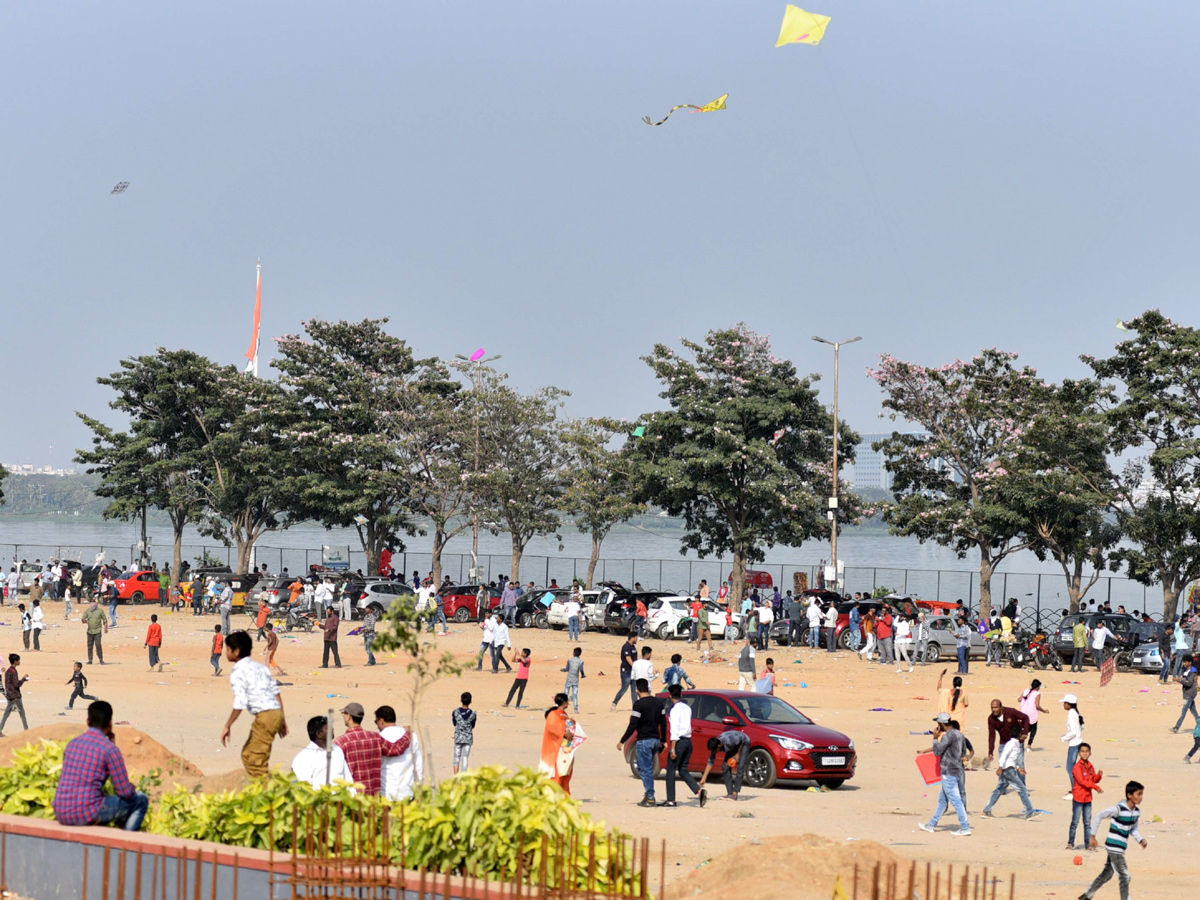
[788,868]
[142,753]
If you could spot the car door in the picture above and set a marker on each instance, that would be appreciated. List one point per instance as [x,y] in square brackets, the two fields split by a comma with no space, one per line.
[148,585]
[708,717]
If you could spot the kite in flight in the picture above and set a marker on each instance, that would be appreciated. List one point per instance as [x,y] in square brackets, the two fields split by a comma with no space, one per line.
[778,436]
[719,103]
[801,27]
[120,188]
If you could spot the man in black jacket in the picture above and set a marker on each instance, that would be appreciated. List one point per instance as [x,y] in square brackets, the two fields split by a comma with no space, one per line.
[649,722]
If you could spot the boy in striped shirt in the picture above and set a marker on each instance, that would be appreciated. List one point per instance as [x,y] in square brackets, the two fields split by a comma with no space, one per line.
[1124,817]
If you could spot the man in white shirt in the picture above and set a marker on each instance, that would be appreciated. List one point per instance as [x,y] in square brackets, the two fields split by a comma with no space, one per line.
[311,763]
[831,617]
[500,642]
[399,772]
[643,668]
[572,608]
[488,625]
[323,598]
[679,751]
[766,615]
[814,623]
[1099,634]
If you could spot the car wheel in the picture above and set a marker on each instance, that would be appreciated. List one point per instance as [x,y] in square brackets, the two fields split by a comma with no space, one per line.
[525,620]
[633,764]
[542,621]
[760,769]
[833,783]
[933,652]
[375,608]
[462,614]
[843,640]
[664,632]
[137,597]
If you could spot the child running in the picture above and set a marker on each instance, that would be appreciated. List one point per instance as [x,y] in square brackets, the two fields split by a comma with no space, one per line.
[80,681]
[574,670]
[1124,826]
[269,650]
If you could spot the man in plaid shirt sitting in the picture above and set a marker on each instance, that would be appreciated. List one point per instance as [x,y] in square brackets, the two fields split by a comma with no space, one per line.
[88,761]
[365,750]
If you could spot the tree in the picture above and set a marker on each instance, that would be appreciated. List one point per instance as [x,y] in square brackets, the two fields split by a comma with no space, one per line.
[742,453]
[3,476]
[352,396]
[154,463]
[521,483]
[950,479]
[1155,414]
[245,468]
[600,493]
[1060,484]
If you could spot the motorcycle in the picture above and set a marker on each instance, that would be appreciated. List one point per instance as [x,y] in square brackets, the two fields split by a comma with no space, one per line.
[302,620]
[1044,655]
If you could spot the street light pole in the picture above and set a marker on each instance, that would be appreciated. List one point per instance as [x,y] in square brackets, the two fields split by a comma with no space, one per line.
[833,500]
[475,377]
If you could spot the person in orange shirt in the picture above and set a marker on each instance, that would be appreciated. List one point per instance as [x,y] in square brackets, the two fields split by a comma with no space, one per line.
[264,611]
[154,642]
[217,645]
[297,588]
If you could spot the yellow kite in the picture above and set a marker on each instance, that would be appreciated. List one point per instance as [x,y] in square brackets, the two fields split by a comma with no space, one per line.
[800,27]
[719,103]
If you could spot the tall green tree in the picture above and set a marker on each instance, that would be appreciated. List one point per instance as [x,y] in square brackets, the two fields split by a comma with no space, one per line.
[1059,483]
[352,398]
[521,484]
[3,476]
[713,458]
[155,462]
[600,491]
[1152,409]
[950,479]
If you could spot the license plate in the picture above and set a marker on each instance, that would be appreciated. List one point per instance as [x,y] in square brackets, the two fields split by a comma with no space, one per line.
[833,760]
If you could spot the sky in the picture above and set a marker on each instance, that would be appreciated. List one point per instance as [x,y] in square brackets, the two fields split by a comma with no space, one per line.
[935,177]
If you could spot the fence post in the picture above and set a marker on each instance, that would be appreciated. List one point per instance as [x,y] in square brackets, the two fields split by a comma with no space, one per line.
[939,585]
[547,582]
[1037,619]
[906,582]
[1004,588]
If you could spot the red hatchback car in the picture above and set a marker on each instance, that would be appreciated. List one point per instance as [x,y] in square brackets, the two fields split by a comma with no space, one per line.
[784,743]
[461,603]
[134,587]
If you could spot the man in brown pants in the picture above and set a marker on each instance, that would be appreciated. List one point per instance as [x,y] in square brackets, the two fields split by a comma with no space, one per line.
[256,691]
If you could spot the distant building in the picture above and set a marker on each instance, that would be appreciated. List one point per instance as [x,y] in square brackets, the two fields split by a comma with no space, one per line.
[868,470]
[27,469]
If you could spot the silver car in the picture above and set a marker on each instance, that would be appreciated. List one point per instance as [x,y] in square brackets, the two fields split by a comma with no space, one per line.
[943,642]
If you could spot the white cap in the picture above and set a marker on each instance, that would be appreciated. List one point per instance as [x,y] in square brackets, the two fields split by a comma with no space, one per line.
[1069,698]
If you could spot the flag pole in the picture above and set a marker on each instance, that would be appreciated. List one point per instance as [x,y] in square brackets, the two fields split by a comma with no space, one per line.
[252,353]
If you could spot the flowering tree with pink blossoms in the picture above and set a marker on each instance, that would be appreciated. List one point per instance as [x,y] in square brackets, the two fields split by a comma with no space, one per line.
[743,450]
[949,479]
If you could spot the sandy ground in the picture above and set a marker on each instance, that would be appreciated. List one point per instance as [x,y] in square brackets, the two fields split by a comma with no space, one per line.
[185,707]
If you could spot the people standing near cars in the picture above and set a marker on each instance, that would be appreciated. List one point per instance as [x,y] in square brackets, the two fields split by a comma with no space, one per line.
[1078,644]
[500,642]
[703,627]
[962,645]
[855,628]
[648,722]
[1100,635]
[679,750]
[736,747]
[1180,649]
[903,643]
[766,616]
[97,626]
[438,611]
[747,672]
[831,617]
[1073,739]
[793,608]
[814,623]
[508,603]
[370,620]
[628,658]
[572,608]
[922,651]
[331,640]
[948,746]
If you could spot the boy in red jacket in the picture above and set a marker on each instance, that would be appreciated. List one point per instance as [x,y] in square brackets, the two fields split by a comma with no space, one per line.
[1087,779]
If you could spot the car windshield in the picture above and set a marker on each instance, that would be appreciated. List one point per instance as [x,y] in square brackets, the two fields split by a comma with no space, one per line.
[129,573]
[767,710]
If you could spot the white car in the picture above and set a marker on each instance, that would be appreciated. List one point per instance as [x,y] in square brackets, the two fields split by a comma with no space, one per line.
[666,614]
[555,616]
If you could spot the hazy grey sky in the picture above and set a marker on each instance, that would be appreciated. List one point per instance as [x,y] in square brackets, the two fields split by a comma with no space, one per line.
[936,176]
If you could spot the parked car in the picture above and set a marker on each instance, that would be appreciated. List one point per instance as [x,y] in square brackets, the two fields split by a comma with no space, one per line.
[1120,625]
[555,615]
[784,743]
[780,627]
[670,617]
[461,602]
[1145,655]
[27,576]
[136,586]
[380,595]
[944,642]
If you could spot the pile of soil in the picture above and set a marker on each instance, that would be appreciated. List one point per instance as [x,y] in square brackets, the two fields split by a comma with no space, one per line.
[803,867]
[142,753]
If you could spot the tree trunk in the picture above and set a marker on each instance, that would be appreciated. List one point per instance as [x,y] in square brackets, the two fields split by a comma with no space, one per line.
[518,548]
[439,543]
[738,588]
[177,554]
[245,546]
[1172,586]
[596,539]
[985,583]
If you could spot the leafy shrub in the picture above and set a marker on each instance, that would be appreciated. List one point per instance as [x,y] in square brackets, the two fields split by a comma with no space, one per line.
[27,786]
